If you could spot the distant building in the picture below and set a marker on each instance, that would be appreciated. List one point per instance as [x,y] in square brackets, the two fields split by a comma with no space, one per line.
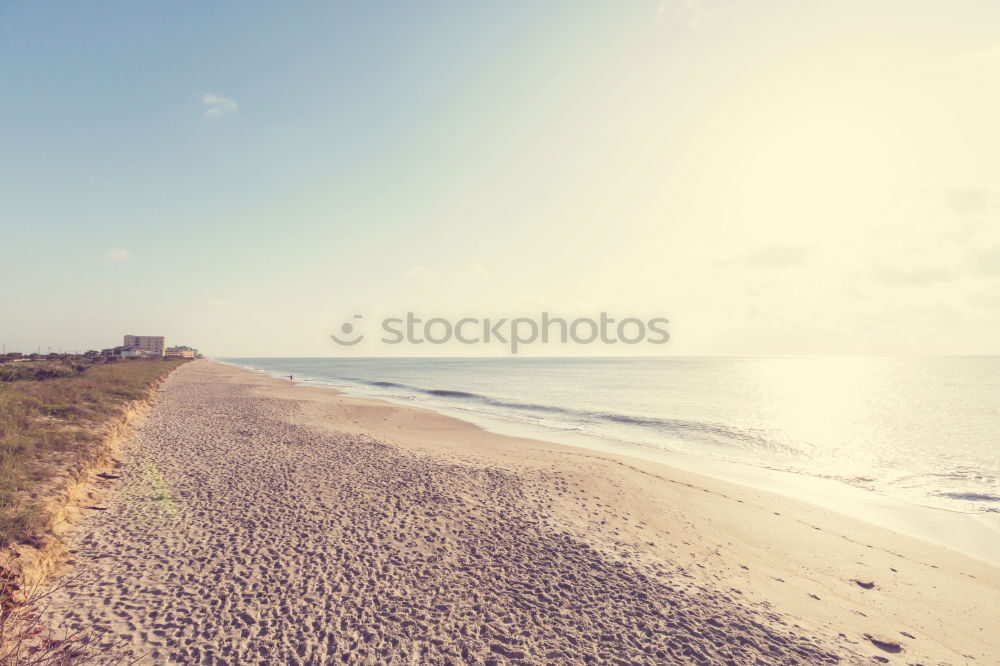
[154,344]
[139,353]
[180,352]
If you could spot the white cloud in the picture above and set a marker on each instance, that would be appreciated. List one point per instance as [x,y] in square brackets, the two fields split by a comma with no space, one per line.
[774,256]
[968,201]
[217,106]
[987,262]
[988,54]
[473,270]
[223,306]
[691,12]
[476,268]
[470,271]
[535,303]
[118,254]
[914,275]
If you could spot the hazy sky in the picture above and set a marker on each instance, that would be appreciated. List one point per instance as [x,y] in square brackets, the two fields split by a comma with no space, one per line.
[775,177]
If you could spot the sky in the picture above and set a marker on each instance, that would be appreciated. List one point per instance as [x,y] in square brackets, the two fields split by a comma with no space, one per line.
[775,178]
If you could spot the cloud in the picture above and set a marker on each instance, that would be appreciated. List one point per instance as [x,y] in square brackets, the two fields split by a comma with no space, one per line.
[970,200]
[476,268]
[217,106]
[987,262]
[223,306]
[118,254]
[988,54]
[691,12]
[913,276]
[535,302]
[473,270]
[773,256]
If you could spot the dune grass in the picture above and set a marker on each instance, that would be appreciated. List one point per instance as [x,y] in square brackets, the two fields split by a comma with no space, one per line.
[50,418]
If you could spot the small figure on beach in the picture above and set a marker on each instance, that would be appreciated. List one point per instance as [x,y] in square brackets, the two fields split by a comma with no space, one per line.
[290,378]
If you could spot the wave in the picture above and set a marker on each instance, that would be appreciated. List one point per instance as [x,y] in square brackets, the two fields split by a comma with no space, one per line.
[382,384]
[445,393]
[971,496]
[715,432]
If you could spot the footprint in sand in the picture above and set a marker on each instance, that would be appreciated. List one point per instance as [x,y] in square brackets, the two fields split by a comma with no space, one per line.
[883,643]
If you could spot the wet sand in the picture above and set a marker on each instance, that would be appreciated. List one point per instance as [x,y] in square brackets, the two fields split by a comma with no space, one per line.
[259,522]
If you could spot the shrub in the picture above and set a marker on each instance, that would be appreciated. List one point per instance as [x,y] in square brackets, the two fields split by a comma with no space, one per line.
[50,420]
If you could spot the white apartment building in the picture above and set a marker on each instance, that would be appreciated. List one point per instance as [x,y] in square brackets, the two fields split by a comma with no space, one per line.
[154,344]
[138,353]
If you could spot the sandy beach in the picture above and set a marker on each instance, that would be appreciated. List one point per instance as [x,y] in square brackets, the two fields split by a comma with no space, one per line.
[257,522]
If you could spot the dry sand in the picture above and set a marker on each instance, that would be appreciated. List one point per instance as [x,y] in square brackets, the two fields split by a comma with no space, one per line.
[258,522]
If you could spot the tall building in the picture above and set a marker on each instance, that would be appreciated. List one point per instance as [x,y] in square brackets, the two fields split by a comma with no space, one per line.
[154,344]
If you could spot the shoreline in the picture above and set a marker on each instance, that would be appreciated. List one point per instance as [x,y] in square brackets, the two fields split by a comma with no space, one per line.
[973,534]
[305,524]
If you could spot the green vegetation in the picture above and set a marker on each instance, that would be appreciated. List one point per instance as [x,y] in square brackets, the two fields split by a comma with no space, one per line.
[160,492]
[50,417]
[12,372]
